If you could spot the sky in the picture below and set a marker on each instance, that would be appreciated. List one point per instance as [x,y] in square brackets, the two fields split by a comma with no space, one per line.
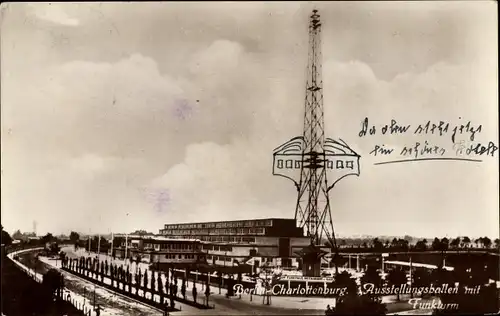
[125,116]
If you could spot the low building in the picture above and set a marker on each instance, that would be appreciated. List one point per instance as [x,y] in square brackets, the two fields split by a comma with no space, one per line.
[273,241]
[159,249]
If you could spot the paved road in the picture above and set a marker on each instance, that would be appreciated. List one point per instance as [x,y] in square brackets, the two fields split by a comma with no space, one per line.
[233,306]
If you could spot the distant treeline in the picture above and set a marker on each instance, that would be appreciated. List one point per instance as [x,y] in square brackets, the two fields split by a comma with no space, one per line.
[409,243]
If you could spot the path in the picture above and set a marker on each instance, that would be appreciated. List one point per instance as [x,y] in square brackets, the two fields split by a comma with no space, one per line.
[82,291]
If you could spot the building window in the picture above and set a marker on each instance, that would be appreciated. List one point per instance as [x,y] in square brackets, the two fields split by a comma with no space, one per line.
[289,164]
[298,164]
[340,164]
[280,164]
[350,164]
[329,164]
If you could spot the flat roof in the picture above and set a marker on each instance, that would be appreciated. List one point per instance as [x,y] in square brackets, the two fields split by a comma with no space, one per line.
[417,265]
[233,221]
[156,237]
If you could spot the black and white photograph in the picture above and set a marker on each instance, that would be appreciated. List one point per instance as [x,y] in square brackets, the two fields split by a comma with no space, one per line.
[249,158]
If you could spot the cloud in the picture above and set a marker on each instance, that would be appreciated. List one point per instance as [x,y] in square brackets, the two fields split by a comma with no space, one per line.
[196,107]
[109,128]
[54,12]
[234,181]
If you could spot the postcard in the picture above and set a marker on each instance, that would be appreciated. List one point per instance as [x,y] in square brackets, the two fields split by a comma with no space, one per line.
[250,158]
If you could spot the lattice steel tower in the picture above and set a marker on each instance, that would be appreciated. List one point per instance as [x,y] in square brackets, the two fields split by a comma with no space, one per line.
[313,206]
[315,163]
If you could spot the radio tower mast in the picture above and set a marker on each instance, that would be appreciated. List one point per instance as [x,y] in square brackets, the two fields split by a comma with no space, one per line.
[313,206]
[308,159]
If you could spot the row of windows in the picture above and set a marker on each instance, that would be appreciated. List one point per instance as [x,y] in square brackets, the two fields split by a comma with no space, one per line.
[219,258]
[176,246]
[215,232]
[254,223]
[228,239]
[151,246]
[174,256]
[217,247]
[340,164]
[251,223]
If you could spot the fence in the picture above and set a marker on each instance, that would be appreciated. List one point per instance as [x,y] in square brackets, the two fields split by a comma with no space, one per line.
[87,310]
[120,280]
[38,277]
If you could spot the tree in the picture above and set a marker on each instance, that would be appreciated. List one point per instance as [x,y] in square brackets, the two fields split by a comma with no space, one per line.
[17,235]
[377,245]
[146,279]
[153,281]
[141,233]
[112,274]
[455,243]
[337,261]
[394,243]
[160,287]
[74,237]
[121,276]
[436,244]
[372,276]
[465,241]
[139,283]
[137,280]
[421,245]
[497,243]
[47,238]
[128,274]
[486,242]
[183,288]
[478,241]
[404,244]
[345,280]
[445,244]
[53,281]
[397,277]
[6,239]
[118,241]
